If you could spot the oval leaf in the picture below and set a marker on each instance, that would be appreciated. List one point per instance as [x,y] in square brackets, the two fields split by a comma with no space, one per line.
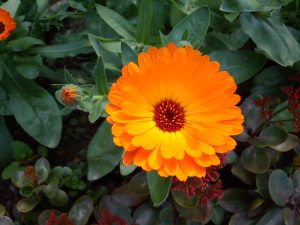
[273,217]
[256,160]
[81,210]
[159,187]
[42,169]
[236,200]
[27,204]
[60,199]
[281,187]
[291,142]
[270,136]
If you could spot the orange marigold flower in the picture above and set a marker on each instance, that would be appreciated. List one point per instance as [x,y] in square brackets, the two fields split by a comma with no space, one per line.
[7,24]
[174,111]
[69,94]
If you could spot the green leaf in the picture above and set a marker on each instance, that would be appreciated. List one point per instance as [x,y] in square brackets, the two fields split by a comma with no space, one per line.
[280,187]
[23,43]
[6,154]
[124,195]
[195,24]
[21,150]
[252,6]
[11,6]
[201,213]
[100,77]
[159,187]
[81,210]
[63,50]
[241,218]
[10,170]
[27,191]
[242,173]
[272,217]
[96,111]
[145,214]
[256,160]
[144,21]
[128,55]
[126,170]
[69,78]
[270,136]
[236,200]
[242,65]
[270,76]
[262,181]
[233,41]
[19,180]
[60,199]
[163,38]
[102,154]
[118,23]
[27,204]
[42,169]
[28,66]
[269,33]
[34,109]
[291,142]
[95,44]
[185,201]
[218,215]
[42,5]
[51,188]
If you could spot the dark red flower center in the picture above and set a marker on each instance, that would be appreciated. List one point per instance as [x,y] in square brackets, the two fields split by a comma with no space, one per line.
[2,27]
[169,116]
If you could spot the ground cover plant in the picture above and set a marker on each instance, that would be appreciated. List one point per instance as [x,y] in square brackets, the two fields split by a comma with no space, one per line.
[149,112]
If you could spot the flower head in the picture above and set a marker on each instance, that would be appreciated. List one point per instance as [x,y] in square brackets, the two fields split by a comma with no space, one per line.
[7,24]
[69,95]
[174,111]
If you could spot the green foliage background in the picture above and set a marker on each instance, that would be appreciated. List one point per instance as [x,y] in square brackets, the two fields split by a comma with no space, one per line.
[85,43]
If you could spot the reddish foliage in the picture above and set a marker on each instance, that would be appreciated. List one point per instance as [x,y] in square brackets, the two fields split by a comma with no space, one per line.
[108,219]
[62,219]
[207,188]
[293,103]
[29,172]
[264,105]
